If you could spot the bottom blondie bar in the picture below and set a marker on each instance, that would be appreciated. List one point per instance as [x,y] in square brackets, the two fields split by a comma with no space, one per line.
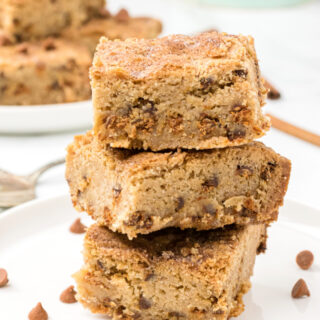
[169,274]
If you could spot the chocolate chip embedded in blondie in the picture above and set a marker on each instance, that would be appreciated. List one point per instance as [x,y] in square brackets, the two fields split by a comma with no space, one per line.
[141,192]
[32,19]
[50,71]
[170,274]
[113,28]
[192,92]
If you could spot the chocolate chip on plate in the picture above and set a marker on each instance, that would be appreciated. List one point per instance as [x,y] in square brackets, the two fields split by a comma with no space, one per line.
[68,295]
[3,277]
[77,227]
[300,289]
[38,313]
[304,259]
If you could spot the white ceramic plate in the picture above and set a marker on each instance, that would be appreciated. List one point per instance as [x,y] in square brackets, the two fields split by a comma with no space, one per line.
[40,254]
[46,118]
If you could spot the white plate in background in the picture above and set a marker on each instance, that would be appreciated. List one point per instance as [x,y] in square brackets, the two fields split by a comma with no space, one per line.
[46,118]
[40,254]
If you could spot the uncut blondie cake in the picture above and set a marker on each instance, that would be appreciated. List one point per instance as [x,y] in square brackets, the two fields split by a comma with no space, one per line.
[30,19]
[192,92]
[110,27]
[170,274]
[141,192]
[50,71]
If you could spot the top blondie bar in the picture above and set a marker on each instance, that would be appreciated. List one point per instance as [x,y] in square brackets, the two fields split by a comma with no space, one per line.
[33,19]
[192,92]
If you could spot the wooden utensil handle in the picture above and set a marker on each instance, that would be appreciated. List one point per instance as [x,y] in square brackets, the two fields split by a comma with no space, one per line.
[295,131]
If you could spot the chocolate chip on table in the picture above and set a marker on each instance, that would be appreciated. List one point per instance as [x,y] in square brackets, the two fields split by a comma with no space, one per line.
[304,259]
[300,289]
[68,295]
[122,15]
[38,313]
[77,227]
[273,93]
[3,277]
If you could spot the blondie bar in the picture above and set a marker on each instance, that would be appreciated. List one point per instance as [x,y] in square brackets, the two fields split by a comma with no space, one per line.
[192,92]
[30,19]
[170,274]
[110,27]
[141,192]
[51,71]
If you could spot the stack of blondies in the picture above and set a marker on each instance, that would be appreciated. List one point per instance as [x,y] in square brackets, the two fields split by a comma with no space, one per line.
[180,192]
[46,47]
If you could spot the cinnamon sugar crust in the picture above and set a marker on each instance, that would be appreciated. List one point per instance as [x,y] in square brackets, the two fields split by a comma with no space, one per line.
[192,92]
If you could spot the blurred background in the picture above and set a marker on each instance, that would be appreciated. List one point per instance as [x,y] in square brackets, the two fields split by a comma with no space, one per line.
[287,37]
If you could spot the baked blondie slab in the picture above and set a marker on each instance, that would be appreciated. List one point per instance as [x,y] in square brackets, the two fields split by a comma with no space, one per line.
[32,19]
[110,27]
[138,193]
[170,274]
[50,71]
[192,92]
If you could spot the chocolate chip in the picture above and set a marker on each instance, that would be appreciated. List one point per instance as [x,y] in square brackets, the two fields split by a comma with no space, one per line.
[49,44]
[23,48]
[177,315]
[300,289]
[206,82]
[77,227]
[122,15]
[144,303]
[68,295]
[236,134]
[38,313]
[55,85]
[116,191]
[180,204]
[305,259]
[262,247]
[149,276]
[104,13]
[3,278]
[4,40]
[244,171]
[241,73]
[212,182]
[100,265]
[273,93]
[208,208]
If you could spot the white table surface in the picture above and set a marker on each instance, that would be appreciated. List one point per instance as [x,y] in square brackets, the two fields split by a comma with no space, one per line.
[288,46]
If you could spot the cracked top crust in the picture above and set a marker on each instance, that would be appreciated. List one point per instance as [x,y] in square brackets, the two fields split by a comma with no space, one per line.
[139,59]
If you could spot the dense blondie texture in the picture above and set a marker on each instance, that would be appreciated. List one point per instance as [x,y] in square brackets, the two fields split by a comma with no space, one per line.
[170,274]
[32,19]
[143,192]
[50,71]
[90,33]
[192,92]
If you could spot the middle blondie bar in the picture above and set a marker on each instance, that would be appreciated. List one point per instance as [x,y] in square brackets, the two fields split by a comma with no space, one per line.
[141,192]
[199,92]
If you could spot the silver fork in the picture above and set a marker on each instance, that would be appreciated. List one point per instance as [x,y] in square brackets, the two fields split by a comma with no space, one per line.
[15,189]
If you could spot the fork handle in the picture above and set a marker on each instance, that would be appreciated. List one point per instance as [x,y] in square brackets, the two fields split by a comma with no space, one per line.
[33,177]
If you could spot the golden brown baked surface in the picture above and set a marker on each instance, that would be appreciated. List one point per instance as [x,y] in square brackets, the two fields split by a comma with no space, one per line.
[111,28]
[49,71]
[169,274]
[140,192]
[193,92]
